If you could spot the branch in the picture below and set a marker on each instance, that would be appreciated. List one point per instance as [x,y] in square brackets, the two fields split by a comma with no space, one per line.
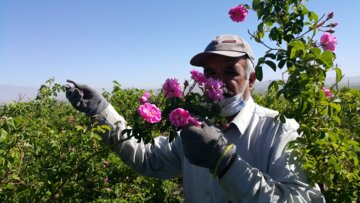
[271,49]
[312,27]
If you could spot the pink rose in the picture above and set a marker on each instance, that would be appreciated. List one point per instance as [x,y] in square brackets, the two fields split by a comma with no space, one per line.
[327,92]
[180,117]
[145,98]
[150,112]
[328,41]
[238,13]
[198,77]
[213,89]
[172,88]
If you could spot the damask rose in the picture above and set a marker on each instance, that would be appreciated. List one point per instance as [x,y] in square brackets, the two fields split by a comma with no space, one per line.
[198,77]
[172,88]
[238,13]
[213,89]
[150,112]
[327,92]
[145,98]
[180,117]
[328,41]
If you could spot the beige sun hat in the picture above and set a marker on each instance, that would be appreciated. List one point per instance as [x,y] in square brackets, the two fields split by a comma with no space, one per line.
[226,45]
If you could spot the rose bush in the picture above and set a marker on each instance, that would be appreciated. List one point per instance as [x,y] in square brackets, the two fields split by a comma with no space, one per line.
[49,152]
[327,152]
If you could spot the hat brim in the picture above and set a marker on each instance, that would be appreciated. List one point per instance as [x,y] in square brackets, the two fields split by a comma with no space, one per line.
[201,58]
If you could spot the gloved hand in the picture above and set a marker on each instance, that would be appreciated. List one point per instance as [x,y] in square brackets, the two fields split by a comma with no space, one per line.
[85,99]
[207,147]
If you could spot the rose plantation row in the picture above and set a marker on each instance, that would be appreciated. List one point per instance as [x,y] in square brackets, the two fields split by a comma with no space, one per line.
[49,151]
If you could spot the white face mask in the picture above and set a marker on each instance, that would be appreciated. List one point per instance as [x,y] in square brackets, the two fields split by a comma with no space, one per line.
[232,105]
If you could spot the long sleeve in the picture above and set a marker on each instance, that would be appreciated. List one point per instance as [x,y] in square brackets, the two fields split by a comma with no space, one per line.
[161,160]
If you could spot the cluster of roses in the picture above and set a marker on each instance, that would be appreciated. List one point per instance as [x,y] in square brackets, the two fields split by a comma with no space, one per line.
[180,117]
[327,40]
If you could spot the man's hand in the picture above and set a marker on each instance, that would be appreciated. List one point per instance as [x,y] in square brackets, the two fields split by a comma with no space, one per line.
[207,147]
[85,99]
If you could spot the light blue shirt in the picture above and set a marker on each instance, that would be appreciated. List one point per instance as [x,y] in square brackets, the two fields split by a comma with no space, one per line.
[264,171]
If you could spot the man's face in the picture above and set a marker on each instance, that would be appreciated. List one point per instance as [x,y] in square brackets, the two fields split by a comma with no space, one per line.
[229,70]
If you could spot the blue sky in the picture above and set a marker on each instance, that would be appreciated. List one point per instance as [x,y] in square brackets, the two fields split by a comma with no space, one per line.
[138,43]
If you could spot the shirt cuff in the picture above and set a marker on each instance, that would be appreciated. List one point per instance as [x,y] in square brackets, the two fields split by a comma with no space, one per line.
[112,117]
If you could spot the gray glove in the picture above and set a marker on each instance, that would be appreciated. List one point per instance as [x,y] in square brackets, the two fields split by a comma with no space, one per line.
[207,147]
[85,99]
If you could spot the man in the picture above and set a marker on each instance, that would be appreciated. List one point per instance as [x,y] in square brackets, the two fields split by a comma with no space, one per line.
[248,162]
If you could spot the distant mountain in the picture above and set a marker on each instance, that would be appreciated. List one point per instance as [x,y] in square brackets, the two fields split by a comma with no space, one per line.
[353,82]
[15,93]
[10,93]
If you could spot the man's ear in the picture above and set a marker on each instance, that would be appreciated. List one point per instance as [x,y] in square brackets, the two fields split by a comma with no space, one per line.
[252,79]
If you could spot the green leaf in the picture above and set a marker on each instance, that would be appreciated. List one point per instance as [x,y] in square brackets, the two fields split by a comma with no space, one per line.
[106,127]
[297,47]
[356,161]
[313,16]
[337,119]
[260,30]
[271,64]
[259,73]
[270,55]
[316,51]
[274,84]
[324,103]
[327,58]
[247,6]
[273,33]
[303,106]
[281,64]
[338,74]
[337,107]
[255,4]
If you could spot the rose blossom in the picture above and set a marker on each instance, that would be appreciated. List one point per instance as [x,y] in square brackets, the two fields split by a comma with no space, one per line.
[213,89]
[328,41]
[172,88]
[198,77]
[180,117]
[150,112]
[145,97]
[327,92]
[238,13]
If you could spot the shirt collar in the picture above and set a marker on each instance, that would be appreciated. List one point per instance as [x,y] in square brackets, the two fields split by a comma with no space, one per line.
[243,118]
